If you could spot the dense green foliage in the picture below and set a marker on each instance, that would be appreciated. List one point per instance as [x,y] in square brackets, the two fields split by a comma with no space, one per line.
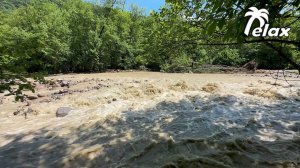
[54,36]
[223,23]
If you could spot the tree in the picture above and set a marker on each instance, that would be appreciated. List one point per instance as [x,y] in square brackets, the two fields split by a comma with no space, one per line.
[33,39]
[226,19]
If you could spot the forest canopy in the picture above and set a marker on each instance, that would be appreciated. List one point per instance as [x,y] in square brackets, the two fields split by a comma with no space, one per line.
[62,36]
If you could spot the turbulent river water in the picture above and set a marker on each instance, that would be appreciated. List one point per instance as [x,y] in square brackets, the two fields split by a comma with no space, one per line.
[157,120]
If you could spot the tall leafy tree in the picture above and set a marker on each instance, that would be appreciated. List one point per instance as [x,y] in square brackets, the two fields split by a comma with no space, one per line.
[33,39]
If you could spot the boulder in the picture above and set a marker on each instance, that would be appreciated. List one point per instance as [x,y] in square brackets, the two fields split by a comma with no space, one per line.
[251,66]
[63,83]
[63,111]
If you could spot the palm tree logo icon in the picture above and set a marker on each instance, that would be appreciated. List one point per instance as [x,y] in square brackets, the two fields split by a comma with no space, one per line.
[261,15]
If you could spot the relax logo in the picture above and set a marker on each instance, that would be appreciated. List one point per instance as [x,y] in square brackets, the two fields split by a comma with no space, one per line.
[263,30]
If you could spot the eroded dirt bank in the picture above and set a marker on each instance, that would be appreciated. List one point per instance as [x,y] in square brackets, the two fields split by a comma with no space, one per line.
[143,119]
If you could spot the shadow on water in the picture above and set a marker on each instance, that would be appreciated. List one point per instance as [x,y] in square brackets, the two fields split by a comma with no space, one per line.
[215,132]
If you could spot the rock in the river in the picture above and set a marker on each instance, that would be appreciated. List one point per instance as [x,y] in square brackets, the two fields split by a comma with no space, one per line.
[64,91]
[41,95]
[64,83]
[28,103]
[17,112]
[63,111]
[32,97]
[251,66]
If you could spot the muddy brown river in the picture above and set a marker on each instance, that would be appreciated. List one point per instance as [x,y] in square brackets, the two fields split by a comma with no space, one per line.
[154,120]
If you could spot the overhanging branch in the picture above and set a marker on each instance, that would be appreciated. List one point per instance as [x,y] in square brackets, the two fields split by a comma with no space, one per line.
[245,42]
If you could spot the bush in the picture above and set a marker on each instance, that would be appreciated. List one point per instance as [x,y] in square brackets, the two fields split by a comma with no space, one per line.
[229,57]
[175,68]
[178,65]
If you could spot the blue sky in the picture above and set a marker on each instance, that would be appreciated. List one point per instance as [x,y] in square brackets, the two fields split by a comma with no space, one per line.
[146,4]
